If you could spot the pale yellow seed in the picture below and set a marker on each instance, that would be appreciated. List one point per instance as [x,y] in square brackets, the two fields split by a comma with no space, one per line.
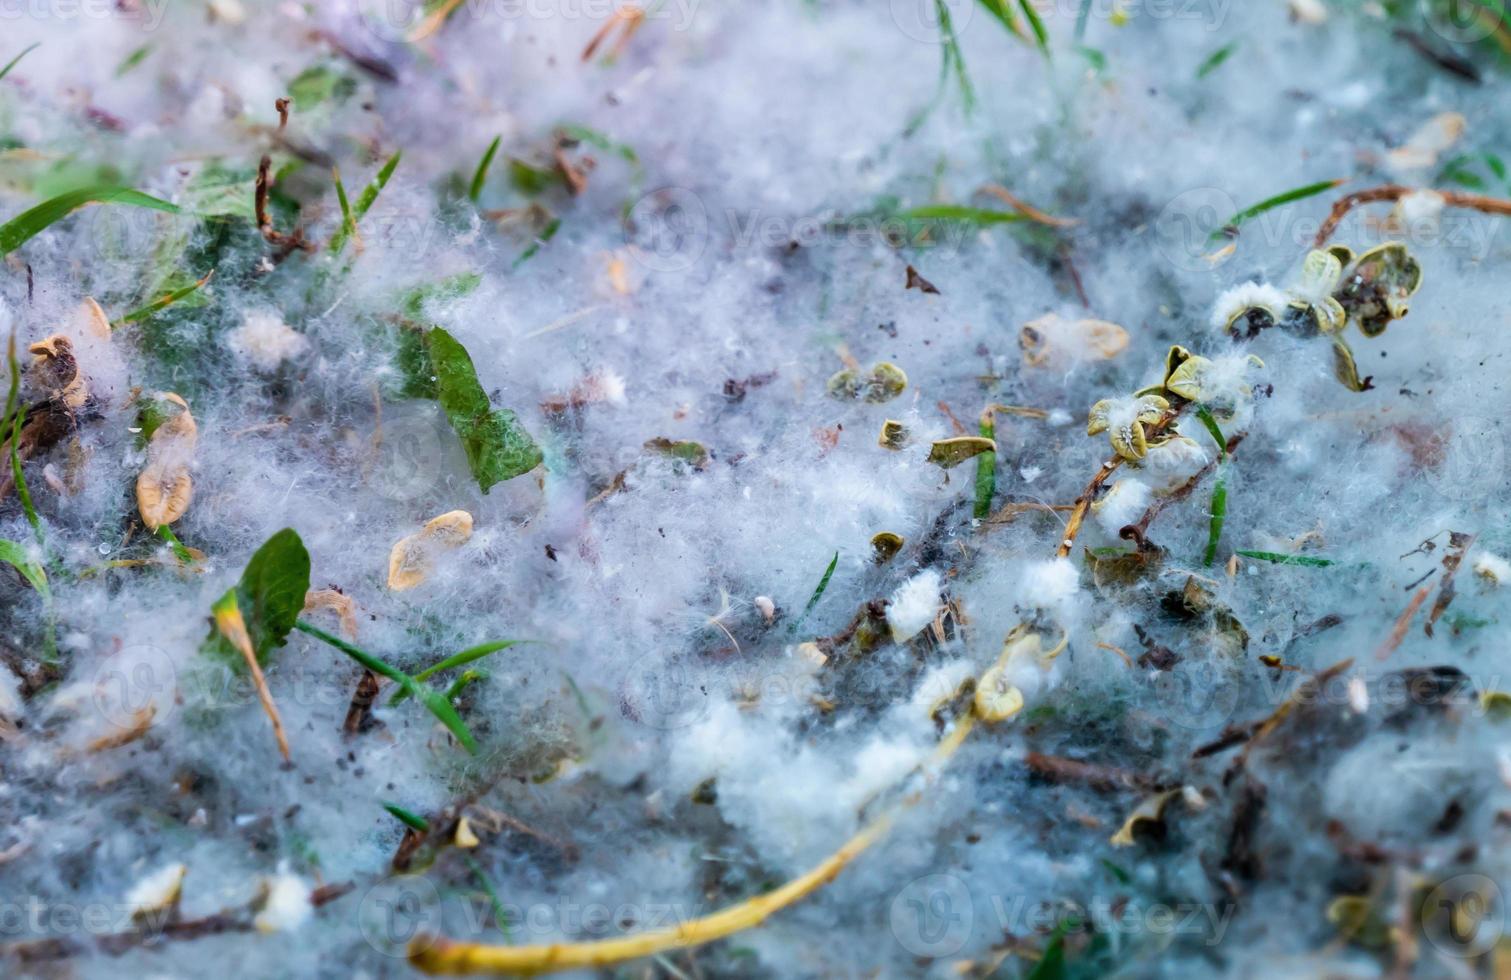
[413,558]
[164,488]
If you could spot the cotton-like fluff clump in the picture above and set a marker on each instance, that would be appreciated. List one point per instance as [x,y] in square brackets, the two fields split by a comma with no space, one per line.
[1123,503]
[914,605]
[1492,568]
[1246,296]
[286,906]
[1175,460]
[265,341]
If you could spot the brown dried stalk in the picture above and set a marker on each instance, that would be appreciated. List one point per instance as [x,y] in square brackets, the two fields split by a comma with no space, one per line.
[1394,192]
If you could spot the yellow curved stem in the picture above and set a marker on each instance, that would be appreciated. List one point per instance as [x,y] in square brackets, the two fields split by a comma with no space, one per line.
[442,956]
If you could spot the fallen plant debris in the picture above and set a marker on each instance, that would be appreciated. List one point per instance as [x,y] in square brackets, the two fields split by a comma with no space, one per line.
[651,356]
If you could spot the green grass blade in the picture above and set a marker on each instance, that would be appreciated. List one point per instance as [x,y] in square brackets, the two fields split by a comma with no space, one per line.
[437,704]
[959,212]
[1220,491]
[16,60]
[408,817]
[364,203]
[1297,194]
[348,223]
[1082,16]
[986,469]
[1036,24]
[481,176]
[14,555]
[1004,14]
[546,234]
[28,224]
[818,593]
[500,917]
[166,300]
[953,58]
[1215,60]
[1279,559]
[466,656]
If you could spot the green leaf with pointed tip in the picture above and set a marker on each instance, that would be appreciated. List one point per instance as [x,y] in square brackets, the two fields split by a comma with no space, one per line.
[270,596]
[14,555]
[25,226]
[498,447]
[14,61]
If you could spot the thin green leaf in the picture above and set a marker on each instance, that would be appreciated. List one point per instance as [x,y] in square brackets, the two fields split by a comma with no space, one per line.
[14,555]
[1279,559]
[1036,24]
[1220,491]
[953,58]
[364,203]
[17,414]
[546,234]
[408,817]
[1297,194]
[460,684]
[16,60]
[348,221]
[435,702]
[1082,16]
[960,212]
[531,180]
[818,593]
[986,469]
[466,656]
[583,134]
[270,596]
[480,177]
[179,551]
[1215,60]
[167,300]
[500,917]
[497,446]
[133,59]
[22,228]
[1004,14]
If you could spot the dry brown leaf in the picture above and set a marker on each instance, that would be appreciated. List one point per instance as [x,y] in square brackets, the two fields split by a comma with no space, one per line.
[331,600]
[141,721]
[413,558]
[233,627]
[57,370]
[96,323]
[164,488]
[1421,152]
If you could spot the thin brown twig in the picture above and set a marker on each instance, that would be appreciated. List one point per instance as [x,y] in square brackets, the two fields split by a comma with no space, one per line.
[1403,623]
[1394,192]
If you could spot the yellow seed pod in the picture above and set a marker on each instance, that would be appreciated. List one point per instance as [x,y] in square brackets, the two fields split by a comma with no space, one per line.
[464,837]
[894,435]
[997,700]
[164,488]
[413,558]
[885,546]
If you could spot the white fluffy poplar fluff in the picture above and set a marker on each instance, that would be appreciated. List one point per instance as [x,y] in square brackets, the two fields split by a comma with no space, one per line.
[499,480]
